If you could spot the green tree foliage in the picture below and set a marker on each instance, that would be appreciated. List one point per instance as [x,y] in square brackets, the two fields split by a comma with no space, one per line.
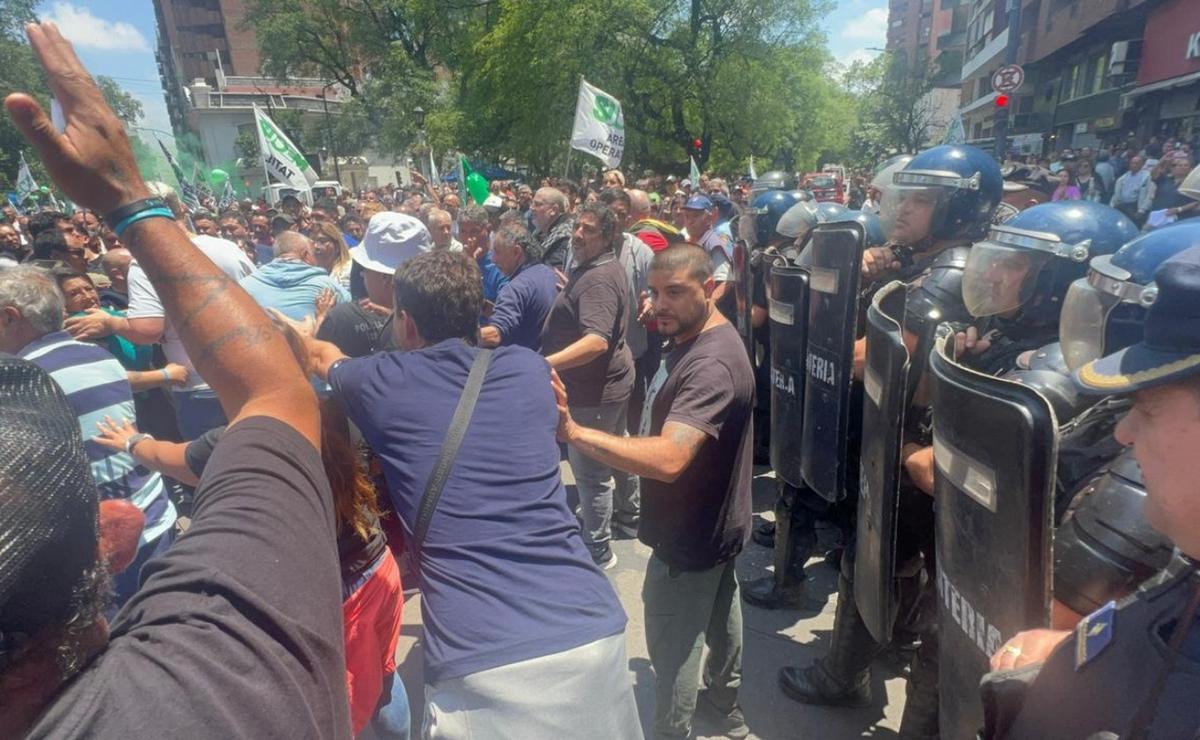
[18,73]
[895,110]
[127,107]
[498,78]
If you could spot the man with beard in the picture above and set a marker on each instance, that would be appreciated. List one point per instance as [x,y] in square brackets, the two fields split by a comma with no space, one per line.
[694,459]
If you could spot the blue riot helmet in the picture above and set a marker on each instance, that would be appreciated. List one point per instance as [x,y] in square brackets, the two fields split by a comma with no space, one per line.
[871,225]
[1029,261]
[767,209]
[947,192]
[800,195]
[1104,311]
[829,211]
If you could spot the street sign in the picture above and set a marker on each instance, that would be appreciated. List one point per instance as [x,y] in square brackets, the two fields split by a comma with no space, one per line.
[1008,79]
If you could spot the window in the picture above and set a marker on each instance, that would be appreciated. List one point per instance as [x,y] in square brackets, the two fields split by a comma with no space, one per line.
[1025,104]
[1079,72]
[1099,67]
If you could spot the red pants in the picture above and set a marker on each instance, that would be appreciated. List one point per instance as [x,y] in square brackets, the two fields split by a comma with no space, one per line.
[371,617]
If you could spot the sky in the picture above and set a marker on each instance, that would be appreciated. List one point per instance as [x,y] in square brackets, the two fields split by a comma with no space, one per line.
[116,38]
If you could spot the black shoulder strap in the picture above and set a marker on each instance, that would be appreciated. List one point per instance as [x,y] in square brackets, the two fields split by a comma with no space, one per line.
[454,438]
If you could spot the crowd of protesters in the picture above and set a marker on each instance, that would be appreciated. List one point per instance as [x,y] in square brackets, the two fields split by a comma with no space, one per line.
[291,411]
[233,435]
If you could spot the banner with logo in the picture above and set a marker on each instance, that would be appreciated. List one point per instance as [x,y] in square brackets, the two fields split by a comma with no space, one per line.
[26,186]
[599,125]
[280,156]
[187,193]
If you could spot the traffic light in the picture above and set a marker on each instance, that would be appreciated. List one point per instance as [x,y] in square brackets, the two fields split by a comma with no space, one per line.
[697,145]
[1001,101]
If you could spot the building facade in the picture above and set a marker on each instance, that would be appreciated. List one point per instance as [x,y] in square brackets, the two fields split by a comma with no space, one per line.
[929,35]
[1166,99]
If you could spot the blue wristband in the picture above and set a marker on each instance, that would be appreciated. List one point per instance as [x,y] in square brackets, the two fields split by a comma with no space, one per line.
[128,221]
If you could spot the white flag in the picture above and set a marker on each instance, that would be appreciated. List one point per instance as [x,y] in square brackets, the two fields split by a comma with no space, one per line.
[599,125]
[753,174]
[694,173]
[434,177]
[26,186]
[280,156]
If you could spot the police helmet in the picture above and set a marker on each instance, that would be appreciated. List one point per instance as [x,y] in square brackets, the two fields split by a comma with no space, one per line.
[767,209]
[774,180]
[947,192]
[830,211]
[800,195]
[1029,261]
[871,225]
[883,174]
[1104,311]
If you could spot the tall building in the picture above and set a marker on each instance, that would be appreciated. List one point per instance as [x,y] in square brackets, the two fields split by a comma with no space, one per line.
[196,40]
[930,34]
[211,75]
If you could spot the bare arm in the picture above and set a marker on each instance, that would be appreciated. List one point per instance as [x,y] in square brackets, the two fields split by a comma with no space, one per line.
[168,458]
[172,374]
[231,342]
[579,352]
[663,458]
[97,323]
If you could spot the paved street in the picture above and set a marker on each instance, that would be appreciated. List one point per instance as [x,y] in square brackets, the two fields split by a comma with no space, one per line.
[772,639]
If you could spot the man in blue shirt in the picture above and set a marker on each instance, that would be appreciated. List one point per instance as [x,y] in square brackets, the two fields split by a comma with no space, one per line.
[475,228]
[292,282]
[520,626]
[524,302]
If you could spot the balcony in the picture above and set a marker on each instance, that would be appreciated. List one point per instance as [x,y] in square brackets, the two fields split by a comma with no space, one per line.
[951,40]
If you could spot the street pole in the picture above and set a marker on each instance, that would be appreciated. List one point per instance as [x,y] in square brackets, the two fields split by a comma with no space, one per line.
[1000,122]
[329,132]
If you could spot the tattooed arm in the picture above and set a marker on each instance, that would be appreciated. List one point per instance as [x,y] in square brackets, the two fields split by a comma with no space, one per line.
[663,458]
[231,342]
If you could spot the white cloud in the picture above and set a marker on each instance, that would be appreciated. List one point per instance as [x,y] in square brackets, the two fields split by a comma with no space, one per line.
[857,55]
[870,27]
[87,31]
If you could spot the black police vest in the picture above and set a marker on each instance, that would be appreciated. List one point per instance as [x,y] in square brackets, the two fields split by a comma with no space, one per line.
[1105,693]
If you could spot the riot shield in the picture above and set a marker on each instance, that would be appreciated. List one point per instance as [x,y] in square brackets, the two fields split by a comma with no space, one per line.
[836,251]
[787,308]
[886,398]
[995,447]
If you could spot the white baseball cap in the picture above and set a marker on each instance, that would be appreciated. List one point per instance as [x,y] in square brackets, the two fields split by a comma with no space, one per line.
[391,240]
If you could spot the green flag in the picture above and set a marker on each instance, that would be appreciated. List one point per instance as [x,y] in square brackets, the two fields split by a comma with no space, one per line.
[473,182]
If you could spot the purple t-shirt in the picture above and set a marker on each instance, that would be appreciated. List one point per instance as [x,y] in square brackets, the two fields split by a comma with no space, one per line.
[505,575]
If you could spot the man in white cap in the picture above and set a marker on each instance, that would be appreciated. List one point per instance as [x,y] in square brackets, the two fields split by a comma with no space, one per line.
[365,327]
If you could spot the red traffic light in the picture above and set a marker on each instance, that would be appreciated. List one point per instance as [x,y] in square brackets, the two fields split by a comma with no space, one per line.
[697,144]
[1001,101]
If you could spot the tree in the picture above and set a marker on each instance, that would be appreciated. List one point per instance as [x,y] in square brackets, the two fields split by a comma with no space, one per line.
[18,71]
[127,107]
[896,112]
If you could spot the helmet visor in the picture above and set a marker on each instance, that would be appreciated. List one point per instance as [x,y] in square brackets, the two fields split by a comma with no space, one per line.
[1000,279]
[798,221]
[1081,323]
[908,213]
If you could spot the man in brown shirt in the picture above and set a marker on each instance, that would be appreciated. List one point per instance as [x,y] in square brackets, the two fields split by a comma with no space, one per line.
[584,340]
[694,455]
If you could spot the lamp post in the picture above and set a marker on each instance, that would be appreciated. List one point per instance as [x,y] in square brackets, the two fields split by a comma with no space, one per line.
[419,119]
[329,130]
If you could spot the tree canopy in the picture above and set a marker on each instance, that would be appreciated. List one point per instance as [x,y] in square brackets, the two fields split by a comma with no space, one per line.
[498,78]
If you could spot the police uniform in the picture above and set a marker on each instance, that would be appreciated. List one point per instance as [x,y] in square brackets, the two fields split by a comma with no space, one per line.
[1129,669]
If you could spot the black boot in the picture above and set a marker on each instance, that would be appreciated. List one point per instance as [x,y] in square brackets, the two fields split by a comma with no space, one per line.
[843,677]
[764,534]
[766,593]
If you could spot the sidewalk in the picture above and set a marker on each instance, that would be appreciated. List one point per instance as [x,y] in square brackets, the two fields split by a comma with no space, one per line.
[771,639]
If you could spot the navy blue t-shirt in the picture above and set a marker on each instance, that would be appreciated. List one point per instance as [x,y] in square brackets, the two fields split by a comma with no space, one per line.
[523,305]
[505,575]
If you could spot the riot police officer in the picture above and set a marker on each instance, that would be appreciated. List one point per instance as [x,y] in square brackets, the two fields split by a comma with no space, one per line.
[934,207]
[1130,669]
[793,536]
[1104,547]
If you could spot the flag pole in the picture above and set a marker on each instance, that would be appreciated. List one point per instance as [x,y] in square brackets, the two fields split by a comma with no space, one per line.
[261,159]
[567,169]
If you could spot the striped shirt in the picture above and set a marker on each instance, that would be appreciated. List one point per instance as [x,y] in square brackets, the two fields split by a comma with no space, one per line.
[96,386]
